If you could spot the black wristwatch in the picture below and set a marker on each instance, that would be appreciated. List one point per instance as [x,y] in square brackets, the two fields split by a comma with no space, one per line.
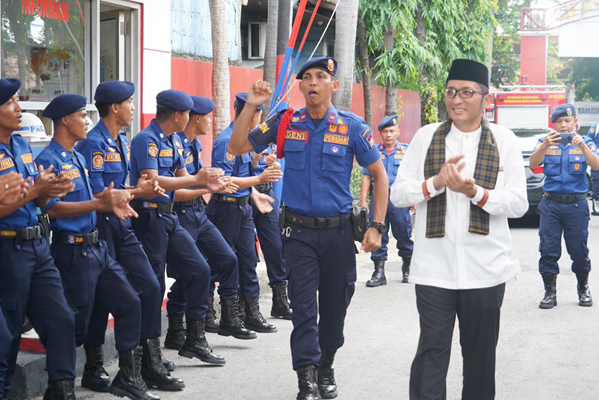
[379,226]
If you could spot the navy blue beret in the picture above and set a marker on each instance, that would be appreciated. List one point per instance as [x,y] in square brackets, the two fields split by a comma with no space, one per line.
[391,120]
[114,92]
[64,105]
[563,110]
[202,105]
[8,88]
[241,98]
[327,64]
[174,100]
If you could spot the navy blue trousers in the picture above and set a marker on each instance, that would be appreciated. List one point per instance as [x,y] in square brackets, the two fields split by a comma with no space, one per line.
[6,335]
[165,241]
[218,253]
[573,220]
[125,249]
[236,225]
[322,273]
[269,234]
[398,220]
[595,182]
[30,285]
[91,276]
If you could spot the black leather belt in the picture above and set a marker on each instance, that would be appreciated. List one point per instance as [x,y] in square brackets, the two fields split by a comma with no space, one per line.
[566,197]
[76,239]
[264,188]
[317,223]
[242,201]
[192,202]
[140,205]
[29,233]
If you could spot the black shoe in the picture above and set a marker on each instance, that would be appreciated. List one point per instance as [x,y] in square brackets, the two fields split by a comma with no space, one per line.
[196,344]
[378,276]
[584,294]
[595,207]
[95,377]
[307,383]
[211,321]
[405,270]
[253,317]
[60,390]
[153,371]
[326,375]
[231,323]
[128,381]
[175,334]
[169,365]
[550,299]
[280,302]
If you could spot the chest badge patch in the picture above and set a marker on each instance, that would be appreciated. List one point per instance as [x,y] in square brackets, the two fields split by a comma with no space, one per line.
[343,129]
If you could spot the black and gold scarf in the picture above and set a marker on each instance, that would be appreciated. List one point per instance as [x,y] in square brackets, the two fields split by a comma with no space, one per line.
[485,175]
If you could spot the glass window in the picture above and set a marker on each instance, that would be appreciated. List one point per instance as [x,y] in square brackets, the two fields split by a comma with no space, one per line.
[43,45]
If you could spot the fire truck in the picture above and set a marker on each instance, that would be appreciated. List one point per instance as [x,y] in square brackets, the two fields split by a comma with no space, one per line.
[526,110]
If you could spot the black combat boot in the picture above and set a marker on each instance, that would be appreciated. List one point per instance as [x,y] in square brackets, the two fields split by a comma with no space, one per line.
[169,365]
[584,294]
[153,371]
[128,381]
[307,383]
[196,344]
[378,276]
[253,317]
[550,299]
[175,334]
[595,205]
[280,302]
[94,377]
[211,321]
[326,375]
[231,323]
[405,270]
[60,390]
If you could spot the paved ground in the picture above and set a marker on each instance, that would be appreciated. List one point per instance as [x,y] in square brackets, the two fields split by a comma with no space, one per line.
[542,354]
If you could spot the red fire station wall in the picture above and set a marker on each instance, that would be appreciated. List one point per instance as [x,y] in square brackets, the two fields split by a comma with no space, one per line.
[195,78]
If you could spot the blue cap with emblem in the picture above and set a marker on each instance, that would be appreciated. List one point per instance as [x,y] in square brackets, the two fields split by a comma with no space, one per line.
[241,98]
[64,105]
[174,100]
[391,120]
[327,64]
[563,110]
[8,88]
[202,105]
[114,92]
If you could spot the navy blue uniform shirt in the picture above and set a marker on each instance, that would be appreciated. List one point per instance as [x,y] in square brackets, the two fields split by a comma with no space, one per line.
[152,149]
[192,154]
[392,160]
[74,166]
[319,159]
[565,167]
[108,161]
[240,166]
[18,157]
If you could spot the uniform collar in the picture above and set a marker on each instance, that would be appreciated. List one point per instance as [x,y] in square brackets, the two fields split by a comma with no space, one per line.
[57,147]
[106,133]
[158,131]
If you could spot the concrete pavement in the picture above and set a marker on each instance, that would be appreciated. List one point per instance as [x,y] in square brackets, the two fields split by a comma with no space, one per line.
[542,354]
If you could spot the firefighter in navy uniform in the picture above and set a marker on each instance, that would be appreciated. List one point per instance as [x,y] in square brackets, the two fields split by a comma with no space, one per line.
[593,133]
[392,153]
[190,208]
[319,144]
[269,234]
[232,215]
[565,155]
[88,273]
[107,153]
[13,188]
[157,152]
[30,283]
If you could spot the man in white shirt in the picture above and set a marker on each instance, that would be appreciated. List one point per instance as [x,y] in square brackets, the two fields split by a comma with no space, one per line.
[466,178]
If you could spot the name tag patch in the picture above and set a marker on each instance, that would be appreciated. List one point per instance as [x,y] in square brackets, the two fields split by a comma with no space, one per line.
[112,157]
[296,135]
[166,153]
[344,140]
[553,152]
[6,164]
[27,158]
